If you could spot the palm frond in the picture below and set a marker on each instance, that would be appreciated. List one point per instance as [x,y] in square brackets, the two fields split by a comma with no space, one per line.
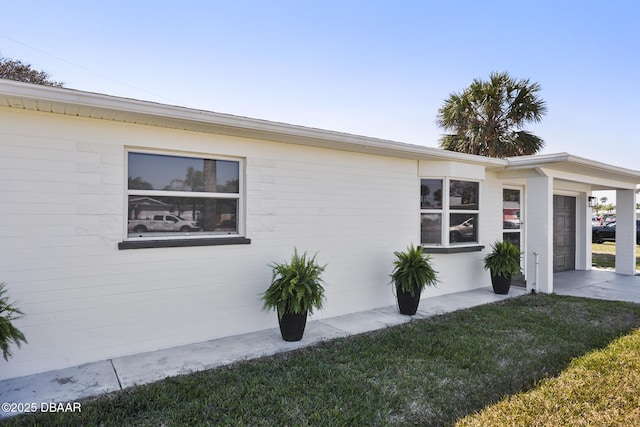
[488,117]
[296,286]
[9,334]
[412,269]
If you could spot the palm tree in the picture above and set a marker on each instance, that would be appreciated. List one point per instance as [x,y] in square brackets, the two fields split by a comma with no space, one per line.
[487,118]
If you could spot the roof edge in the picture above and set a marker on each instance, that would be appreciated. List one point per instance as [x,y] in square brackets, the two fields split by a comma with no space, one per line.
[542,160]
[79,98]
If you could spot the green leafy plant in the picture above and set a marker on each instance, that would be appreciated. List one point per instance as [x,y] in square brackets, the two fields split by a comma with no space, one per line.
[8,333]
[412,269]
[296,286]
[504,259]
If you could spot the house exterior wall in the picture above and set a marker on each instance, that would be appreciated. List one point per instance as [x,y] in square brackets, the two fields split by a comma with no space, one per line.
[64,213]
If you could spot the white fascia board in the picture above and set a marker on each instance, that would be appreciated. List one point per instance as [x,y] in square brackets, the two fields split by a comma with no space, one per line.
[565,162]
[87,104]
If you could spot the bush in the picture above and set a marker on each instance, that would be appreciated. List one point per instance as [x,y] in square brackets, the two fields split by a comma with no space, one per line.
[296,286]
[412,269]
[8,333]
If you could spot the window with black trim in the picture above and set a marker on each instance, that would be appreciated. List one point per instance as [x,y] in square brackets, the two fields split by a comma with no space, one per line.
[172,196]
[449,220]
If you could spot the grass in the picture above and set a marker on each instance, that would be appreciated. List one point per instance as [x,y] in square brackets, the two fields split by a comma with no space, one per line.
[604,255]
[429,372]
[600,388]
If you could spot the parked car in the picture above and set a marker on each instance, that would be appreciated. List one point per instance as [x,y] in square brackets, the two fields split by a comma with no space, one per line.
[162,223]
[607,233]
[464,232]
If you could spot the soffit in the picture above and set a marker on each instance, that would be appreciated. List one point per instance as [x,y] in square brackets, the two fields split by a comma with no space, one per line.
[567,167]
[104,107]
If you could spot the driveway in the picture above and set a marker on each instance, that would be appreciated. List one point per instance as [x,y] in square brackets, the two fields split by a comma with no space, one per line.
[598,284]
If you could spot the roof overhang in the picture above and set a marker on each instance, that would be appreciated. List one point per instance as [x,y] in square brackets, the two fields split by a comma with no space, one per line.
[567,167]
[83,104]
[77,103]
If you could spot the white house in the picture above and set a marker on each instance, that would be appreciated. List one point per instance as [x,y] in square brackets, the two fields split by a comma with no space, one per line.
[83,176]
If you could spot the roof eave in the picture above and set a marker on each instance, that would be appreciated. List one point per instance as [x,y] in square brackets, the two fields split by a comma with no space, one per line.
[88,104]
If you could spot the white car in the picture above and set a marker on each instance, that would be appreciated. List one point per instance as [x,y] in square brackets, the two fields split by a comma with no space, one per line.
[162,223]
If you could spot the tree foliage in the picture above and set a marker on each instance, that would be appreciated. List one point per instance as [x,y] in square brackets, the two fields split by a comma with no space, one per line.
[9,334]
[11,69]
[488,117]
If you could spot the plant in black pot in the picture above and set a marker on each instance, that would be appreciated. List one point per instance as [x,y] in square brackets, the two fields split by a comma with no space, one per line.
[503,262]
[296,289]
[411,274]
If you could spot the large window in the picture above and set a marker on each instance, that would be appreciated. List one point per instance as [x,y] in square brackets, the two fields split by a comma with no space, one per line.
[174,196]
[449,220]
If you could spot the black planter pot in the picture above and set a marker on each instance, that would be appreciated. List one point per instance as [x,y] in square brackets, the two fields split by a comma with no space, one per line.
[408,304]
[501,284]
[292,326]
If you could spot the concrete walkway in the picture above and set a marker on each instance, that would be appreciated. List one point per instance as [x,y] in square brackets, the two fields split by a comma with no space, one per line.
[93,379]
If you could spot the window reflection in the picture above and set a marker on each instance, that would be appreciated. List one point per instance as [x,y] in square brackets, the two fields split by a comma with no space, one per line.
[431,194]
[463,195]
[173,173]
[166,215]
[512,238]
[510,209]
[431,229]
[461,210]
[463,228]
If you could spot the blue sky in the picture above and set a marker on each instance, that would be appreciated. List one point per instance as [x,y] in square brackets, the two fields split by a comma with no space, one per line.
[375,68]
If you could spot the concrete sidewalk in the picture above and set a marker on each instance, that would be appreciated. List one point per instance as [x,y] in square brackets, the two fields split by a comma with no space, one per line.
[97,378]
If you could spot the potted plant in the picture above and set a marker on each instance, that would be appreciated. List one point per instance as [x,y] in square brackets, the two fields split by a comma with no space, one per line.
[411,274]
[296,289]
[503,262]
[8,333]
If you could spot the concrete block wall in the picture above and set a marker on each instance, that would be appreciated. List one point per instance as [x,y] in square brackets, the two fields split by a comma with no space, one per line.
[63,214]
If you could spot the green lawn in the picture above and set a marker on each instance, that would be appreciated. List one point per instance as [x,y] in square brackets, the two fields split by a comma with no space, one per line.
[599,389]
[429,372]
[604,255]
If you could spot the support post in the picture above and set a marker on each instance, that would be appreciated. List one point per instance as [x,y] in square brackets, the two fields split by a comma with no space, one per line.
[540,231]
[625,232]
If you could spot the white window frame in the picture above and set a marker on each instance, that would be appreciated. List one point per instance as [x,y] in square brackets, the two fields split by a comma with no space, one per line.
[239,196]
[446,212]
[522,230]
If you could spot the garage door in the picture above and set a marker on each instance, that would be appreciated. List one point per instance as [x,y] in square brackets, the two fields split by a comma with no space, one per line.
[564,233]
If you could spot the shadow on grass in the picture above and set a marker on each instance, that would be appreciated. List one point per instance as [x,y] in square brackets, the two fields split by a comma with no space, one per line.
[601,260]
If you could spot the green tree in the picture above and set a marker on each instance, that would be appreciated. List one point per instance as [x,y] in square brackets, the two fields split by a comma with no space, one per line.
[11,69]
[138,183]
[488,117]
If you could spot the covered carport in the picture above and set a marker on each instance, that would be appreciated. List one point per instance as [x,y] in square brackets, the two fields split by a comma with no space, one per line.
[558,216]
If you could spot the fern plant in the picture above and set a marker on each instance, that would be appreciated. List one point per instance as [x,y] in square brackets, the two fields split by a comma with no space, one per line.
[504,259]
[8,333]
[296,286]
[413,270]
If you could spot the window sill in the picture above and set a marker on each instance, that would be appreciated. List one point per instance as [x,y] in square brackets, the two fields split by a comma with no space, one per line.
[179,243]
[451,249]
